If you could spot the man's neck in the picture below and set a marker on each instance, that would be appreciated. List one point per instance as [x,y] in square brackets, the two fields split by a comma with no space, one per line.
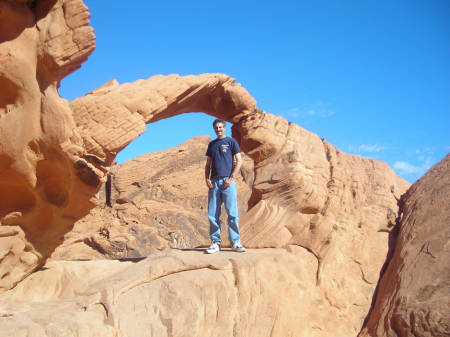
[222,137]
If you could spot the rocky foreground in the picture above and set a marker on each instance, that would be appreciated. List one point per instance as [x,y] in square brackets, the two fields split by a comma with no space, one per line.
[267,292]
[263,292]
[322,226]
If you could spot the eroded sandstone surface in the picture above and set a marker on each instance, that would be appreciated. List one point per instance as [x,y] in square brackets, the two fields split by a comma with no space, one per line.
[318,225]
[414,294]
[54,157]
[267,292]
[41,153]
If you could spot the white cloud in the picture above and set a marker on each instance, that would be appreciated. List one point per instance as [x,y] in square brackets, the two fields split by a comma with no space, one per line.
[426,150]
[371,148]
[318,109]
[407,168]
[366,148]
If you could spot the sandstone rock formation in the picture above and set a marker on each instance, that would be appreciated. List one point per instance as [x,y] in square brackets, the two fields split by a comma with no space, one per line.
[337,206]
[320,218]
[41,194]
[413,297]
[306,192]
[53,160]
[267,292]
[153,202]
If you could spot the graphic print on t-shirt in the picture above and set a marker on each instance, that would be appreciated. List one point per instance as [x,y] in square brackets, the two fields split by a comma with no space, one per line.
[221,152]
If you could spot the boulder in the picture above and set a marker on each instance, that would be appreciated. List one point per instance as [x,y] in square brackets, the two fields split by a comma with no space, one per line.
[413,296]
[320,223]
[46,184]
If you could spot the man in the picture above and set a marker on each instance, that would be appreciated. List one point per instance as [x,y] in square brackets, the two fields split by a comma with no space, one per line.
[219,174]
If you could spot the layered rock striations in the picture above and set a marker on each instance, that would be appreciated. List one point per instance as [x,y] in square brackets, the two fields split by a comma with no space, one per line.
[151,203]
[337,206]
[321,219]
[413,297]
[294,181]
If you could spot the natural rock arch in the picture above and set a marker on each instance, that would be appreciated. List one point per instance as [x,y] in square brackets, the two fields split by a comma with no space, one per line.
[306,192]
[330,211]
[305,189]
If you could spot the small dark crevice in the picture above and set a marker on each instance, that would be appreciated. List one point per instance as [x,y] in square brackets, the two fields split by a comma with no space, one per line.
[32,5]
[392,242]
[108,189]
[86,173]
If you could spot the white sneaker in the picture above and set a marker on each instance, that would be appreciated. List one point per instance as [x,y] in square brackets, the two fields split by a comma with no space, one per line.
[237,247]
[214,248]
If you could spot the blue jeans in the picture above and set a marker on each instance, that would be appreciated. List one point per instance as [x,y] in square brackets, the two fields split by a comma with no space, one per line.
[217,196]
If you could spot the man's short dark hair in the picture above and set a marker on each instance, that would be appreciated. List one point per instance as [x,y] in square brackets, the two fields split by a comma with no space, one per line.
[217,121]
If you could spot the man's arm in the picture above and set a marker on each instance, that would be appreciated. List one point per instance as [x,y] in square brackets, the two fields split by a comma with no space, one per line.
[236,170]
[208,172]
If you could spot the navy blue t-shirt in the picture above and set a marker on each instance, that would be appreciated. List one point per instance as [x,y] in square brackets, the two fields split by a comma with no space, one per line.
[222,152]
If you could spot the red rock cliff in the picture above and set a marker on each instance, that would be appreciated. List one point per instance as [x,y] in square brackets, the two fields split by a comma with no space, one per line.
[413,296]
[320,218]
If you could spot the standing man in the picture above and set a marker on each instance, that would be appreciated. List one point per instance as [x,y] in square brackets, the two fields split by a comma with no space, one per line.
[219,174]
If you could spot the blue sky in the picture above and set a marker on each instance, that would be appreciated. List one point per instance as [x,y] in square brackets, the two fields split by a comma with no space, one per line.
[371,77]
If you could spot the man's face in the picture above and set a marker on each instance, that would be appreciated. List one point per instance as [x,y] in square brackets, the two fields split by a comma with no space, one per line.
[219,129]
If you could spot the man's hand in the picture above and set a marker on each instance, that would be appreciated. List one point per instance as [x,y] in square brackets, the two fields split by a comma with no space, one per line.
[238,159]
[227,182]
[207,171]
[209,183]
